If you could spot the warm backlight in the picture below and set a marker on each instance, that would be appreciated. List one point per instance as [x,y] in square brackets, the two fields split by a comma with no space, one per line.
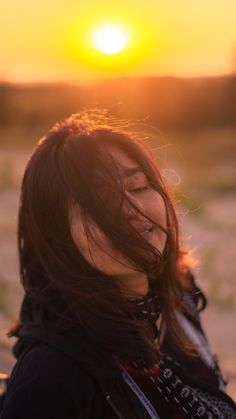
[110,44]
[110,39]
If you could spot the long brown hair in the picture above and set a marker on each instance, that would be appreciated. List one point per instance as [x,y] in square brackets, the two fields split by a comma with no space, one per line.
[62,289]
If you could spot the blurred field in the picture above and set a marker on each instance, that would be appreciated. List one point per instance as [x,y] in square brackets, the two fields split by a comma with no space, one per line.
[200,168]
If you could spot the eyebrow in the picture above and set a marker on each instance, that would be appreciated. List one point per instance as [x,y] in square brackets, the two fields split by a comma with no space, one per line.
[132,171]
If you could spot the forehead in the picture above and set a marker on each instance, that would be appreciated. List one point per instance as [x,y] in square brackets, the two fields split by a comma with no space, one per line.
[124,162]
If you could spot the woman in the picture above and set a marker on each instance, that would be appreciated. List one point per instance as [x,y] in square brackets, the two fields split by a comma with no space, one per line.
[109,325]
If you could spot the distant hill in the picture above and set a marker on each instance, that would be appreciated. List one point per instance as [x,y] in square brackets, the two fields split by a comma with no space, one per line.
[168,102]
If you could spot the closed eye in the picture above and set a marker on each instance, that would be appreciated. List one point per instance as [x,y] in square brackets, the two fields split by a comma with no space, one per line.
[139,189]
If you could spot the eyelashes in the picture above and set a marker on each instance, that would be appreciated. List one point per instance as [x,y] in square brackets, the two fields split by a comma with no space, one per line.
[139,189]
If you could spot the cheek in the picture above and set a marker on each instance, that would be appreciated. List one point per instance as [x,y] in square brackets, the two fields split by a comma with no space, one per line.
[94,247]
[156,208]
[99,251]
[88,243]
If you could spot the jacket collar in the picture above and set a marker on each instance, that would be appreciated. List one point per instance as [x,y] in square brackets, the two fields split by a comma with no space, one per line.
[96,362]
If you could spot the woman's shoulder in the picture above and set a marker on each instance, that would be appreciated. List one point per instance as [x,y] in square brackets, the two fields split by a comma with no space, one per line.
[40,358]
[46,380]
[46,364]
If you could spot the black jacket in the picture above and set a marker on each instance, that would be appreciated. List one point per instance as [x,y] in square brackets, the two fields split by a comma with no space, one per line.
[66,377]
[59,379]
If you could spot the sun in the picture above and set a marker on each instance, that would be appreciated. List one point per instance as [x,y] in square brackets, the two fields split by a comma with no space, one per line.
[110,38]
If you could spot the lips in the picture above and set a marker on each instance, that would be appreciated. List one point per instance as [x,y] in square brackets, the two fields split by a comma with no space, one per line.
[144,229]
[145,232]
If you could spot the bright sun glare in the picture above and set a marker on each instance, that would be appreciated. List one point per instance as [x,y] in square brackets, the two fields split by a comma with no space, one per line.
[110,39]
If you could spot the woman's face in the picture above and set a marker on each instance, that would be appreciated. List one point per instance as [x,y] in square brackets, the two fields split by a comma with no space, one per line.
[100,252]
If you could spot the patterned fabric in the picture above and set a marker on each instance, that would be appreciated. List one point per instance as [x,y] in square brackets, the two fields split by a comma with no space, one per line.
[194,402]
[176,392]
[168,377]
[147,309]
[221,408]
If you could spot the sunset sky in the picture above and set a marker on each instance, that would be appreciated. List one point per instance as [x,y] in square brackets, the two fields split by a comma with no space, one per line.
[52,40]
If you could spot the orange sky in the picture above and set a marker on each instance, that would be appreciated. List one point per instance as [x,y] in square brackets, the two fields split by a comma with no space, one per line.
[45,40]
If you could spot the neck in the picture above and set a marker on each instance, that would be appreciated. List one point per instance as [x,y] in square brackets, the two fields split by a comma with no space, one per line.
[134,285]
